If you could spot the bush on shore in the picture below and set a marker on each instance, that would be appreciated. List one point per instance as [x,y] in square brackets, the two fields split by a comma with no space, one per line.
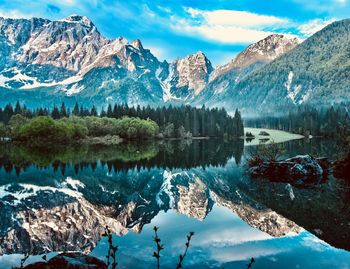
[45,130]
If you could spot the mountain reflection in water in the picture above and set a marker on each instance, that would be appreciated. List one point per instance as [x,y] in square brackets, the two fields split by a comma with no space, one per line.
[61,200]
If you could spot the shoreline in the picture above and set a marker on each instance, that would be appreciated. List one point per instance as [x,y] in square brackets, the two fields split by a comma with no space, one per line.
[276,136]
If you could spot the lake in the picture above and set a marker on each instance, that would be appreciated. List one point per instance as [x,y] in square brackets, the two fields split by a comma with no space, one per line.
[61,199]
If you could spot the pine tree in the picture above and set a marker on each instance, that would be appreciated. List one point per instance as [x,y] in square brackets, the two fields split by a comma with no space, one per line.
[93,111]
[55,114]
[109,111]
[63,112]
[75,111]
[18,108]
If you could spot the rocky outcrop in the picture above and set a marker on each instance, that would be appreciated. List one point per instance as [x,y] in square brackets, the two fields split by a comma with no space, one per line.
[300,168]
[69,261]
[188,76]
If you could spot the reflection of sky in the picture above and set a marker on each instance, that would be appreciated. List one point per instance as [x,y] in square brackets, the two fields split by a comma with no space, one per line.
[223,240]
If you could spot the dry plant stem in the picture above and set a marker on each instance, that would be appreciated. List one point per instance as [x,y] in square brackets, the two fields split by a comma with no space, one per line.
[160,247]
[250,264]
[112,251]
[182,257]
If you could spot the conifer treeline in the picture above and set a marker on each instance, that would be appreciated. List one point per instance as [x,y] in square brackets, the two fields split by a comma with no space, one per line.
[172,120]
[327,122]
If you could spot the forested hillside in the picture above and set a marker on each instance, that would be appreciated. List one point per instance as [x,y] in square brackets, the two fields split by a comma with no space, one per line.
[315,72]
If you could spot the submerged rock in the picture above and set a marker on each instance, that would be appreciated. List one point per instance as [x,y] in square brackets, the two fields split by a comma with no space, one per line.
[69,261]
[302,167]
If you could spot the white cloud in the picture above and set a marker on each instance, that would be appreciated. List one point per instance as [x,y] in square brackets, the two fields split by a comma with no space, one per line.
[15,14]
[230,35]
[157,51]
[315,243]
[313,26]
[243,253]
[235,18]
[227,26]
[164,9]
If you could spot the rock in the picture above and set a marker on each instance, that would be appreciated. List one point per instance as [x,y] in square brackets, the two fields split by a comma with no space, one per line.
[305,168]
[69,261]
[264,133]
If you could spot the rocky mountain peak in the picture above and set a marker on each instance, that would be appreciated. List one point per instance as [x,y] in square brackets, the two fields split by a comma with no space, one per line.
[261,52]
[193,71]
[83,20]
[199,58]
[137,44]
[71,43]
[266,50]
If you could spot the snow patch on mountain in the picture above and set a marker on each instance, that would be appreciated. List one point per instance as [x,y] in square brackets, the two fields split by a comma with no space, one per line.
[293,92]
[28,190]
[166,189]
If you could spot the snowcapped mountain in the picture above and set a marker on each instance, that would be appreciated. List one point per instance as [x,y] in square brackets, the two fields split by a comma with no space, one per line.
[263,51]
[69,59]
[70,56]
[251,59]
[46,62]
[71,215]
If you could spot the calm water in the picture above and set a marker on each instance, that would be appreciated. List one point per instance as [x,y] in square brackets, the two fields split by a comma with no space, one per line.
[61,199]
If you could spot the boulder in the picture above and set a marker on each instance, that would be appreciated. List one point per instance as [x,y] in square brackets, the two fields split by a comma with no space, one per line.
[69,261]
[302,167]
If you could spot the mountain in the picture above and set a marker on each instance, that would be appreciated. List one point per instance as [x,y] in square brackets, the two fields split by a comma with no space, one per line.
[70,59]
[49,62]
[187,77]
[71,214]
[315,72]
[46,62]
[255,56]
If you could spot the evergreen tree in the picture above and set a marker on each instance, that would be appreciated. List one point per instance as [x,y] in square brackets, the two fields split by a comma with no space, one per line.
[75,111]
[63,112]
[55,114]
[18,108]
[93,111]
[109,111]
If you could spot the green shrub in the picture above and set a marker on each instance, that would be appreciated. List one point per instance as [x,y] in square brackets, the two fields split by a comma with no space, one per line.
[16,123]
[44,130]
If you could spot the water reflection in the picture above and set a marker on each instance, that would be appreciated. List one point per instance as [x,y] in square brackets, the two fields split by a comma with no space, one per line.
[61,200]
[224,240]
[175,154]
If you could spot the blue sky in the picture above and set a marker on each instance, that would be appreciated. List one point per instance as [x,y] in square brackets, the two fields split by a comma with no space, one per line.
[175,28]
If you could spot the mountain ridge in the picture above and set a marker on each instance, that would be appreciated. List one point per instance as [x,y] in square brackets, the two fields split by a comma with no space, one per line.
[316,72]
[70,60]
